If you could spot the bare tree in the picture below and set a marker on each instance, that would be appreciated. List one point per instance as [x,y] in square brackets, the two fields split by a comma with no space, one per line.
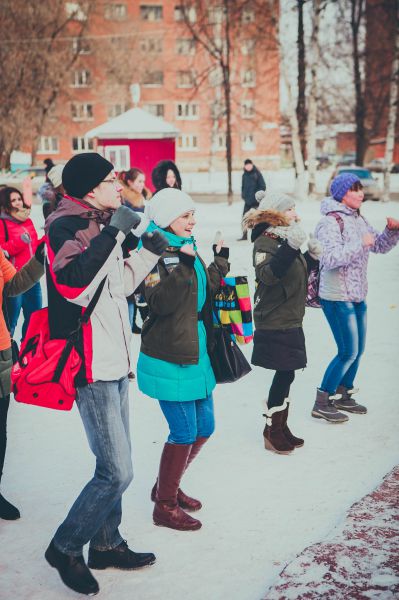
[312,112]
[357,14]
[393,111]
[301,111]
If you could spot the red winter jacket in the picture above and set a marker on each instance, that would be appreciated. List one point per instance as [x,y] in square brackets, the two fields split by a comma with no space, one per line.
[18,239]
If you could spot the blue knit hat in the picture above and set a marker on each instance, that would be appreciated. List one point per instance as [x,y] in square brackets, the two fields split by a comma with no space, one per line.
[341,184]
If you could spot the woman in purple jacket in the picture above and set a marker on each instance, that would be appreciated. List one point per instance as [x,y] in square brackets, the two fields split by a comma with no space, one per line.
[347,239]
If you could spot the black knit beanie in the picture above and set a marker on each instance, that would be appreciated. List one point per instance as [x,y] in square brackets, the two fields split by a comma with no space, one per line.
[83,172]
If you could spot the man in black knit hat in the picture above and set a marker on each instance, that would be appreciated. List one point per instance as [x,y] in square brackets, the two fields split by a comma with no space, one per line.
[90,247]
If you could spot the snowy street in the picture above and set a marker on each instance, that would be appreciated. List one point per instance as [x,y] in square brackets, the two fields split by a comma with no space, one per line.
[260,510]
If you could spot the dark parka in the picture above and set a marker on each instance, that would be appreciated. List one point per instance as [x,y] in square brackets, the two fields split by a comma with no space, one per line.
[279,304]
[170,332]
[252,182]
[160,172]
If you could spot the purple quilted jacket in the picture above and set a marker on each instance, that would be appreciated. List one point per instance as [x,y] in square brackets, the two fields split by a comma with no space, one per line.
[343,266]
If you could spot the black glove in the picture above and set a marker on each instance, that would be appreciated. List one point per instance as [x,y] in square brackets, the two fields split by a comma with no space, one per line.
[223,252]
[155,242]
[39,254]
[124,219]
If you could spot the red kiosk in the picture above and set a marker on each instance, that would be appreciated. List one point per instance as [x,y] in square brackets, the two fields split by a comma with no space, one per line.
[136,138]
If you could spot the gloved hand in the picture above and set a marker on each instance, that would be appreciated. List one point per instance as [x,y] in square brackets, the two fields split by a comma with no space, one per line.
[392,223]
[296,236]
[218,247]
[315,247]
[39,254]
[124,219]
[155,242]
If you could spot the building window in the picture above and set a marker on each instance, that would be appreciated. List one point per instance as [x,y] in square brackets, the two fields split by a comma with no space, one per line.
[247,109]
[80,46]
[81,78]
[189,12]
[151,45]
[82,144]
[81,111]
[158,110]
[187,110]
[218,110]
[48,145]
[152,79]
[187,142]
[114,110]
[185,46]
[215,77]
[151,12]
[75,11]
[216,15]
[219,142]
[248,46]
[248,78]
[248,15]
[247,141]
[185,79]
[115,12]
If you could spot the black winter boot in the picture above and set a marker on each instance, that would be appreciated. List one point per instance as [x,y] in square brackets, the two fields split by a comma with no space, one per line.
[8,511]
[324,408]
[120,557]
[273,435]
[348,403]
[295,441]
[73,571]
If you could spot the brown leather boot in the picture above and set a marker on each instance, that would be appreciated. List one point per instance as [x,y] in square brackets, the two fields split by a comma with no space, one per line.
[167,512]
[184,501]
[273,435]
[295,441]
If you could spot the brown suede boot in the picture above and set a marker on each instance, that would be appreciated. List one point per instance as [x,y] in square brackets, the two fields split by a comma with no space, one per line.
[295,441]
[273,434]
[167,512]
[184,501]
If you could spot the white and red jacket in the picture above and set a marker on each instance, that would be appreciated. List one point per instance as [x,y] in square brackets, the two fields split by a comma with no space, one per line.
[82,250]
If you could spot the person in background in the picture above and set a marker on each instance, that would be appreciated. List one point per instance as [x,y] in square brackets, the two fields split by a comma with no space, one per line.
[12,283]
[49,165]
[252,182]
[166,174]
[279,306]
[18,240]
[174,366]
[134,195]
[52,190]
[348,239]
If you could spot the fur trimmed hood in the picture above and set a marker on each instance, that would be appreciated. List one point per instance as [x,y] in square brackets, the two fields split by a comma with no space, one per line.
[273,218]
[159,173]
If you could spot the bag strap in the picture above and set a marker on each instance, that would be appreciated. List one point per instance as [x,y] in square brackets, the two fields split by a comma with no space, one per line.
[6,236]
[88,312]
[339,220]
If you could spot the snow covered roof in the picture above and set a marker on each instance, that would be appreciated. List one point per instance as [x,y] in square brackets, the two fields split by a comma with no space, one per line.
[135,123]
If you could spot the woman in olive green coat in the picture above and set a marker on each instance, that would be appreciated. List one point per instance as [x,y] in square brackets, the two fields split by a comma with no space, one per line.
[279,306]
[12,283]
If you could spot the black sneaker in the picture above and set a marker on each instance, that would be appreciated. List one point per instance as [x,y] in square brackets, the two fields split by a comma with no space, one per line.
[120,557]
[73,571]
[8,511]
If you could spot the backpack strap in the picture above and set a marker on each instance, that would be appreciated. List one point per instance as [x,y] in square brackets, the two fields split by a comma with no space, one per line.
[339,220]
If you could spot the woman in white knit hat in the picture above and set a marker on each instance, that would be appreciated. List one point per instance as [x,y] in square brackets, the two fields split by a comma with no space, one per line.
[174,366]
[279,307]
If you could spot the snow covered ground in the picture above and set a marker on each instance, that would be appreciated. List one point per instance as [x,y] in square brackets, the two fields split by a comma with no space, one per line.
[260,510]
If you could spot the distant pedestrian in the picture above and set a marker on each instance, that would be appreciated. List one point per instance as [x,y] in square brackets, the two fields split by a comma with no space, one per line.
[279,307]
[252,182]
[166,174]
[49,165]
[52,190]
[347,239]
[19,241]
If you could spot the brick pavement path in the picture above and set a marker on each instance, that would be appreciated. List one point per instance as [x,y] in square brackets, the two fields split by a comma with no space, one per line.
[360,561]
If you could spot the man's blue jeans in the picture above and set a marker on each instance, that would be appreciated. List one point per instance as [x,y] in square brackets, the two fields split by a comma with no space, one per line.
[348,322]
[189,420]
[96,514]
[29,302]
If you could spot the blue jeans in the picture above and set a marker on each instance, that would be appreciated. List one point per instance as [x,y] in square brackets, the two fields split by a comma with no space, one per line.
[29,302]
[96,514]
[348,322]
[189,420]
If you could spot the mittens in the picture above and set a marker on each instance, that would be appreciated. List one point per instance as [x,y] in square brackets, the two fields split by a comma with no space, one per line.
[315,247]
[124,219]
[296,236]
[155,242]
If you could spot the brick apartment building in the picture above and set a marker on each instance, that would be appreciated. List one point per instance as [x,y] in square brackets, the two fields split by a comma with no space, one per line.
[148,42]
